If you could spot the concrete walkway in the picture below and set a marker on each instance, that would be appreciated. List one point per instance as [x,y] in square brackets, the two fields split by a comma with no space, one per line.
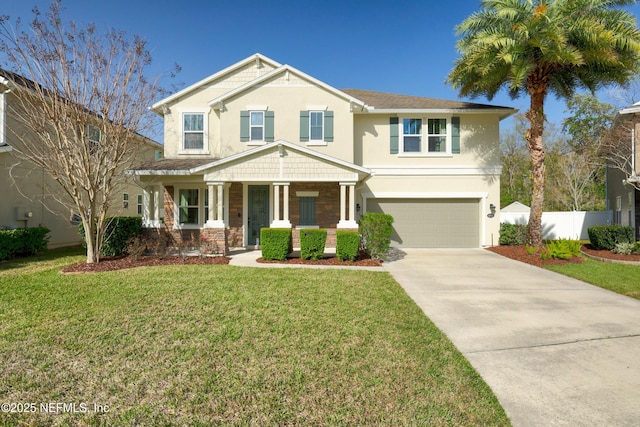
[554,350]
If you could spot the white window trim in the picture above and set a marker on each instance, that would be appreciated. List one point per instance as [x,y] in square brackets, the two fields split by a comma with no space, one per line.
[321,141]
[205,132]
[176,207]
[3,107]
[264,118]
[424,142]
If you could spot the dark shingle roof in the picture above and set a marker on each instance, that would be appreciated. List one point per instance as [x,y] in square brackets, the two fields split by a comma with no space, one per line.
[174,164]
[382,100]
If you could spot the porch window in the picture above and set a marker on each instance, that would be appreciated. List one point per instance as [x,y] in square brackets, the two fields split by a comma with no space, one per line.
[193,131]
[307,211]
[188,206]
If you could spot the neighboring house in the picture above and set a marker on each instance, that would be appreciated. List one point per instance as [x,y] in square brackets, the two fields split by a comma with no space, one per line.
[261,144]
[623,197]
[30,198]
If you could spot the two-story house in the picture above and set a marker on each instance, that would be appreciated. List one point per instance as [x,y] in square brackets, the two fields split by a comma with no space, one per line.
[261,144]
[29,196]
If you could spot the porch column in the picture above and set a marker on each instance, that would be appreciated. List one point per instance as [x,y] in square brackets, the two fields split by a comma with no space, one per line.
[158,200]
[347,222]
[277,222]
[146,207]
[216,205]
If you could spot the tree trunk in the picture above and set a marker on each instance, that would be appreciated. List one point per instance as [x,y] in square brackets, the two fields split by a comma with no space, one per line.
[535,115]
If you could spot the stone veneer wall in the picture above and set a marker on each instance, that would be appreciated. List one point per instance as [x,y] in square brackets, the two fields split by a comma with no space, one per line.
[235,222]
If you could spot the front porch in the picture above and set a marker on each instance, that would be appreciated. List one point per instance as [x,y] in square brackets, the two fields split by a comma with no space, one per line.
[228,201]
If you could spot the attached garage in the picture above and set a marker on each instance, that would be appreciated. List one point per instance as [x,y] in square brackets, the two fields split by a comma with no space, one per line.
[431,223]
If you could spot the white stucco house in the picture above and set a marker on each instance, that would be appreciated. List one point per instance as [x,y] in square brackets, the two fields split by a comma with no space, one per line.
[263,144]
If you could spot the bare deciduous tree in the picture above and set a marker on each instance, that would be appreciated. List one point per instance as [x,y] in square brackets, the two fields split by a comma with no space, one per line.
[83,103]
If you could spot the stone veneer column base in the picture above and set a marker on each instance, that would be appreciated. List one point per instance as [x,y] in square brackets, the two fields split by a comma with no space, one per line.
[217,241]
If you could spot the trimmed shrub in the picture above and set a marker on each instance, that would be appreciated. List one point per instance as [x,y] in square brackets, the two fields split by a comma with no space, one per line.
[607,236]
[347,245]
[23,242]
[512,234]
[275,243]
[119,230]
[312,242]
[376,230]
[626,248]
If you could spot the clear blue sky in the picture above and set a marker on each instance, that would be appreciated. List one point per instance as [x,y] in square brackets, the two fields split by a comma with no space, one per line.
[403,47]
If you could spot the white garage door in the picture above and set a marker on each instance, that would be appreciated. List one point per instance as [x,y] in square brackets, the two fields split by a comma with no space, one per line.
[432,223]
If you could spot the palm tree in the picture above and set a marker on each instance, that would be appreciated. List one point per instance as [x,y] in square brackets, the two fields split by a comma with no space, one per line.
[535,47]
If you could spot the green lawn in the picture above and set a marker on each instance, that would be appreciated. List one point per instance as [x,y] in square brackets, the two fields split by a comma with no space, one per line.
[212,345]
[621,278]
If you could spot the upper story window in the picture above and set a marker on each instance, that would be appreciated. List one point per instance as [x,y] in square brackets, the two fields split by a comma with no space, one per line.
[193,129]
[316,127]
[257,126]
[93,138]
[434,138]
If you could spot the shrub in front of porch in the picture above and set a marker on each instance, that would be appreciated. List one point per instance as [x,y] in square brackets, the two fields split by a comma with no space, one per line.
[276,243]
[119,230]
[376,230]
[347,245]
[312,243]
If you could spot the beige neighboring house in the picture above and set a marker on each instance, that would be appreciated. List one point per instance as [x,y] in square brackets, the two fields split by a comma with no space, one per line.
[262,144]
[29,197]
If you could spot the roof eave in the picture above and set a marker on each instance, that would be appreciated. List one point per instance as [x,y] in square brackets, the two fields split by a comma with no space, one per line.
[502,112]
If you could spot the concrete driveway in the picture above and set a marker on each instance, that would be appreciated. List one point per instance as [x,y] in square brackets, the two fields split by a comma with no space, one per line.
[554,350]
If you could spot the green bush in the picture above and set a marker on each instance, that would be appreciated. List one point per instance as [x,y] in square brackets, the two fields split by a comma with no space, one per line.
[376,229]
[312,242]
[561,249]
[347,245]
[513,234]
[119,230]
[23,242]
[276,243]
[607,236]
[626,248]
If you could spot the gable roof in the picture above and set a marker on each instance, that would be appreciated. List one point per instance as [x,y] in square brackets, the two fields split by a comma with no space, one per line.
[157,107]
[216,103]
[382,102]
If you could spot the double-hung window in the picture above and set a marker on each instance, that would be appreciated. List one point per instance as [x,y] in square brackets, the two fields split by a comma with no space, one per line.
[412,135]
[257,126]
[316,126]
[193,134]
[188,206]
[93,138]
[426,136]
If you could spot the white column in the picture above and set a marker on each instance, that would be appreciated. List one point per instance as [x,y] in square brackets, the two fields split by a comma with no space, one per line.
[158,201]
[286,202]
[350,222]
[216,205]
[146,207]
[276,202]
[284,222]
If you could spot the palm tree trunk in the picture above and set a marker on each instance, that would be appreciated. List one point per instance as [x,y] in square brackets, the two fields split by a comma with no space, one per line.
[535,115]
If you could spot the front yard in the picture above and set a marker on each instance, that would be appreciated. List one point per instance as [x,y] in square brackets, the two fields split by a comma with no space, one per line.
[207,345]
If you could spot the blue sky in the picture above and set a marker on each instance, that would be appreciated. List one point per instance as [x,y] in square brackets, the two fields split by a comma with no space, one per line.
[403,47]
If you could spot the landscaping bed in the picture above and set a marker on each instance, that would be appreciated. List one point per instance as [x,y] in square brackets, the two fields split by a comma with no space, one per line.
[519,253]
[124,262]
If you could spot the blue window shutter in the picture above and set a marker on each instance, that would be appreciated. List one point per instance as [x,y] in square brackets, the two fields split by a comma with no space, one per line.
[304,126]
[244,126]
[393,124]
[455,135]
[268,126]
[328,126]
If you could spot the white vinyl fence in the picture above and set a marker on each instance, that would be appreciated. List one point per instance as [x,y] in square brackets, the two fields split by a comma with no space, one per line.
[563,225]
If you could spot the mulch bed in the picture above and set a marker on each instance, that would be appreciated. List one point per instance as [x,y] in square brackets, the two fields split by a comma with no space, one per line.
[362,260]
[124,262]
[519,253]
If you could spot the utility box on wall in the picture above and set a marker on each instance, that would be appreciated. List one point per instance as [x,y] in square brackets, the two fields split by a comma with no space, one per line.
[23,213]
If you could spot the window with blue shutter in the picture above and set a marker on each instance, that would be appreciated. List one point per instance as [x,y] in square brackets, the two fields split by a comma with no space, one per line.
[244,126]
[455,135]
[393,143]
[304,126]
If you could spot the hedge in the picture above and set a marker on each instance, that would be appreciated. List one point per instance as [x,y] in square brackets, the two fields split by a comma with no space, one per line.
[23,242]
[607,236]
[118,232]
[347,245]
[376,230]
[276,243]
[312,243]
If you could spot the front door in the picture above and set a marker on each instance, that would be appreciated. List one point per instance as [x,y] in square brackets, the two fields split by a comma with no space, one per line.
[258,211]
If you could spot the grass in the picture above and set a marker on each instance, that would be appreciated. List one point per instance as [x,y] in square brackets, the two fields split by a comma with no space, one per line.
[621,278]
[223,345]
